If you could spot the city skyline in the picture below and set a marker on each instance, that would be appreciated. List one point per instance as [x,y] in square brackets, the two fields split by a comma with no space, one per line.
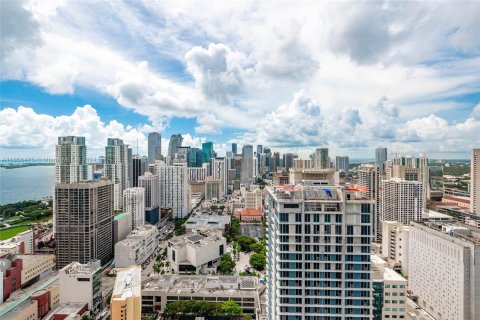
[176,69]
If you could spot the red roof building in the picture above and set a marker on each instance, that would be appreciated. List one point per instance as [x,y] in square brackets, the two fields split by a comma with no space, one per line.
[249,215]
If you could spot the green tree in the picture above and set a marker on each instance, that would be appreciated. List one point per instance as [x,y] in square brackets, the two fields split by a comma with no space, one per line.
[227,264]
[258,261]
[230,308]
[258,248]
[157,268]
[246,243]
[234,230]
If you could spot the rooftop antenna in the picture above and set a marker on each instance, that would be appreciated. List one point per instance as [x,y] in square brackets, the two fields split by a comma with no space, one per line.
[137,147]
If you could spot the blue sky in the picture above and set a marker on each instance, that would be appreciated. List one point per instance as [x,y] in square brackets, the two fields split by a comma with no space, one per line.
[350,76]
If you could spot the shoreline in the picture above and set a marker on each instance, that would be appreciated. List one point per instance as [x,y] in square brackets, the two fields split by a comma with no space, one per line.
[25,165]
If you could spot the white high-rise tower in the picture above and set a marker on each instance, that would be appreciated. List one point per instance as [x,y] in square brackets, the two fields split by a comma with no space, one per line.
[134,203]
[70,160]
[117,168]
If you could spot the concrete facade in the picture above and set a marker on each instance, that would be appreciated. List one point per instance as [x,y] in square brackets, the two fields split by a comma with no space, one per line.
[81,283]
[444,272]
[196,252]
[139,245]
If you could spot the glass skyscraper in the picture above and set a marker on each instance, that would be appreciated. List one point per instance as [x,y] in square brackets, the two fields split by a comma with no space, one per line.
[175,142]
[381,158]
[207,152]
[154,147]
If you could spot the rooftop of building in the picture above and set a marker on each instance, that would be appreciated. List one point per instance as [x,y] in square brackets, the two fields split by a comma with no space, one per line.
[34,258]
[201,238]
[121,215]
[13,313]
[401,180]
[69,309]
[207,220]
[377,260]
[139,234]
[85,184]
[143,230]
[78,268]
[391,275]
[249,212]
[127,283]
[202,285]
[435,215]
[454,229]
[465,200]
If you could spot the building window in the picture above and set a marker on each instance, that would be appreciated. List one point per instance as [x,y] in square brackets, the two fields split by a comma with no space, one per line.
[365,218]
[221,250]
[365,208]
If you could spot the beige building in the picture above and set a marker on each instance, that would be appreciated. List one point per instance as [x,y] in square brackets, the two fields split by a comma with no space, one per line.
[253,199]
[126,303]
[137,247]
[213,189]
[27,310]
[401,200]
[196,252]
[86,281]
[35,265]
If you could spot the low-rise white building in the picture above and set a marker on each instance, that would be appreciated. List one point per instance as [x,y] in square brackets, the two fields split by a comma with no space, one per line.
[139,245]
[196,252]
[22,243]
[392,291]
[444,272]
[395,245]
[81,283]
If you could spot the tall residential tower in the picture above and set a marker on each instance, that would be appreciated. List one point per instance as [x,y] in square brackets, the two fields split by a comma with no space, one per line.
[83,220]
[70,160]
[318,260]
[118,158]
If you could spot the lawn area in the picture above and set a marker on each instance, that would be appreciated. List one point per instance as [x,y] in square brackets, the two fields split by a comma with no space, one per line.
[5,234]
